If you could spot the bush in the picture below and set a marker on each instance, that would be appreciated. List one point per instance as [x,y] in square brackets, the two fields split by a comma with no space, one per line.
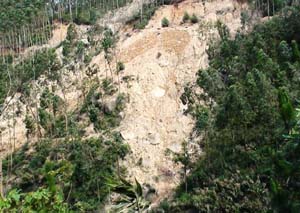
[186,17]
[29,124]
[194,19]
[87,59]
[77,169]
[71,34]
[120,66]
[139,22]
[165,22]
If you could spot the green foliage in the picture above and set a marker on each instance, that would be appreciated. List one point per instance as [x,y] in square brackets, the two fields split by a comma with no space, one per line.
[120,66]
[194,19]
[43,62]
[69,43]
[25,20]
[71,33]
[54,120]
[284,185]
[30,125]
[284,52]
[88,12]
[41,200]
[108,40]
[108,44]
[139,20]
[87,59]
[108,87]
[50,101]
[245,19]
[80,49]
[251,132]
[296,51]
[270,7]
[186,17]
[66,48]
[77,170]
[132,197]
[286,108]
[32,21]
[18,13]
[104,115]
[223,30]
[165,22]
[201,114]
[234,193]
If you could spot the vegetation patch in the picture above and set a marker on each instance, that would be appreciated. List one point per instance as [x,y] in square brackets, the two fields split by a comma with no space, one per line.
[68,174]
[17,77]
[165,22]
[250,125]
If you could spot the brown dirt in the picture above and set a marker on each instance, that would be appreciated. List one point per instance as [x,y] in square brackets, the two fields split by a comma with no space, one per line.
[162,61]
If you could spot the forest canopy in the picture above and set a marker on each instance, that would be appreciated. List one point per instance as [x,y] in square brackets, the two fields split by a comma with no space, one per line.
[251,144]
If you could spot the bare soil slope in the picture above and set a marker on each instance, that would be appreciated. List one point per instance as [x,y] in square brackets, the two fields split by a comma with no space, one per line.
[160,62]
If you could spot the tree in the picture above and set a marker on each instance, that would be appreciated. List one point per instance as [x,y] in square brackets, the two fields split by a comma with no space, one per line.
[108,43]
[296,52]
[286,108]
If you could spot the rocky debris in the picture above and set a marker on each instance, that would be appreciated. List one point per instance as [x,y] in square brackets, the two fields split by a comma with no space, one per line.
[154,138]
[158,92]
[159,62]
[89,130]
[127,135]
[109,106]
[116,19]
[163,61]
[85,41]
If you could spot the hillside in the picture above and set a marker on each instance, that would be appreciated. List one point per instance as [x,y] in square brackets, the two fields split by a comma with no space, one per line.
[180,99]
[154,119]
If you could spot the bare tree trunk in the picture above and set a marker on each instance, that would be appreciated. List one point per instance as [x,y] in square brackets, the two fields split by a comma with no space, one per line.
[185,179]
[268,8]
[70,10]
[1,173]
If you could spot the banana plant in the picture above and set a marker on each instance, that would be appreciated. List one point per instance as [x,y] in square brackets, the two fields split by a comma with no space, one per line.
[132,198]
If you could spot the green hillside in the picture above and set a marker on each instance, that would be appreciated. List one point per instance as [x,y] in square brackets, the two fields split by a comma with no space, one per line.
[74,155]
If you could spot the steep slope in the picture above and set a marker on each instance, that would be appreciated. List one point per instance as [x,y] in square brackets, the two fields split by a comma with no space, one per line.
[12,127]
[159,62]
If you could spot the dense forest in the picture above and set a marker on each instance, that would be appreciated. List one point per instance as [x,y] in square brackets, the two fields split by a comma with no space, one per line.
[24,23]
[250,121]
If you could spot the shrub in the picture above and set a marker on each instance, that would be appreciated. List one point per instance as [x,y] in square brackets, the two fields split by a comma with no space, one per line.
[30,125]
[186,17]
[77,169]
[80,48]
[108,87]
[165,22]
[194,19]
[87,59]
[139,22]
[120,66]
[71,34]
[66,48]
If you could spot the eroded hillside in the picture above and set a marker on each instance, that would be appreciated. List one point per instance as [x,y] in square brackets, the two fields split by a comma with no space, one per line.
[159,62]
